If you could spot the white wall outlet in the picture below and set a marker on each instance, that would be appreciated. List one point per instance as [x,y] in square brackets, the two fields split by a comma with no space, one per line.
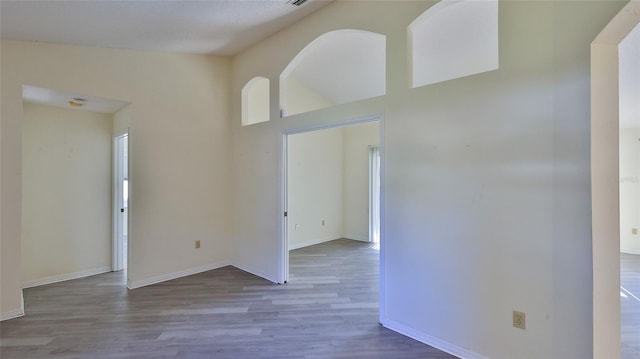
[297,227]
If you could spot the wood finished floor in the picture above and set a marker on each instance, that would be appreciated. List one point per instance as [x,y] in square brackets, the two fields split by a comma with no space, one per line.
[630,305]
[329,309]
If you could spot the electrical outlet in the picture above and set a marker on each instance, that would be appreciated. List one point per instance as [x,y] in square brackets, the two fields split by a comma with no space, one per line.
[297,227]
[634,231]
[519,320]
[198,243]
[323,222]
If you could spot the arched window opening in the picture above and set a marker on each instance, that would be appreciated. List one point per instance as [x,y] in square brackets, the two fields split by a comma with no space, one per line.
[338,67]
[255,101]
[453,39]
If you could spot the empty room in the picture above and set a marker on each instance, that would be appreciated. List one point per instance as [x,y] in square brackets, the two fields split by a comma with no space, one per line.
[505,212]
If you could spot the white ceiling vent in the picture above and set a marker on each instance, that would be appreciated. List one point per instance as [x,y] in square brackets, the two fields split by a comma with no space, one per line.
[296,2]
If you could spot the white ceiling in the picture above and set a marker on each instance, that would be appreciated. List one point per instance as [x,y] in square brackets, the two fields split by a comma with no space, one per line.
[61,99]
[630,80]
[220,27]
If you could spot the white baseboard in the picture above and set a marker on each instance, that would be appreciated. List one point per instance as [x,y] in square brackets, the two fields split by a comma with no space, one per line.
[175,275]
[630,251]
[356,237]
[254,271]
[16,313]
[314,242]
[432,341]
[65,277]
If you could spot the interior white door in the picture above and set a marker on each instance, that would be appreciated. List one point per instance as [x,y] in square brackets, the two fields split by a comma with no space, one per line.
[121,201]
[374,194]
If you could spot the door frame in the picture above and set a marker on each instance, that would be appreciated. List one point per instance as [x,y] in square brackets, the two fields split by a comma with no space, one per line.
[373,222]
[605,206]
[283,260]
[117,247]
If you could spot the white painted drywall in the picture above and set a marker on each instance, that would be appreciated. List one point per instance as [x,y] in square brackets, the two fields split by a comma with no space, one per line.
[301,98]
[315,187]
[357,140]
[453,39]
[180,151]
[66,183]
[629,190]
[342,66]
[487,197]
[255,97]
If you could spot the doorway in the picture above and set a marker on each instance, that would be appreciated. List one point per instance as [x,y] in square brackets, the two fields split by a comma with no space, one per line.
[121,202]
[318,226]
[605,186]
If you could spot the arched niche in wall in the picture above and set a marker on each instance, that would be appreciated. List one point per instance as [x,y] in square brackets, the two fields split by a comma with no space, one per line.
[453,39]
[255,101]
[338,67]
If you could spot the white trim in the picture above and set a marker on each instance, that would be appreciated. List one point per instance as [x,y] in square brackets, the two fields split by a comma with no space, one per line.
[314,242]
[283,243]
[383,237]
[117,249]
[65,277]
[16,313]
[630,251]
[356,237]
[251,270]
[432,341]
[175,275]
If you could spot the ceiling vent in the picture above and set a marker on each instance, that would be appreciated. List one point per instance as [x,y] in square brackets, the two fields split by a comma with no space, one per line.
[296,2]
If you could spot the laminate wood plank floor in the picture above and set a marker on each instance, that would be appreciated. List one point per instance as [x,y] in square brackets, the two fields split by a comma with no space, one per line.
[630,305]
[329,309]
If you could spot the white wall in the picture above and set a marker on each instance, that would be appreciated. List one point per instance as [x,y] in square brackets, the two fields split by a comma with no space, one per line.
[629,190]
[315,187]
[328,180]
[66,183]
[357,140]
[301,98]
[180,152]
[486,179]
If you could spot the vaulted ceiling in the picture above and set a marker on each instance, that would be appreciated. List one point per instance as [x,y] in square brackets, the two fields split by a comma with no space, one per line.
[220,27]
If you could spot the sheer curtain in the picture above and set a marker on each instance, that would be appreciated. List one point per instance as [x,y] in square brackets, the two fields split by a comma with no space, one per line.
[374,194]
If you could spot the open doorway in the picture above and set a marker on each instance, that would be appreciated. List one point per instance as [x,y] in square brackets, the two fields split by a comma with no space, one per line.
[332,200]
[605,181]
[67,201]
[121,201]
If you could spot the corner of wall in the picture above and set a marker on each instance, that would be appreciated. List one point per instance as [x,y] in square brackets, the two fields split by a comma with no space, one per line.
[16,313]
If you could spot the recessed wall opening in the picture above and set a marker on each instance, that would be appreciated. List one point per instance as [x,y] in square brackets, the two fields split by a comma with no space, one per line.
[332,189]
[255,101]
[338,67]
[453,39]
[67,193]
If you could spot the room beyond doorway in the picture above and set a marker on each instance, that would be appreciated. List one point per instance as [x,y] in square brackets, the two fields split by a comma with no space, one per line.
[328,185]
